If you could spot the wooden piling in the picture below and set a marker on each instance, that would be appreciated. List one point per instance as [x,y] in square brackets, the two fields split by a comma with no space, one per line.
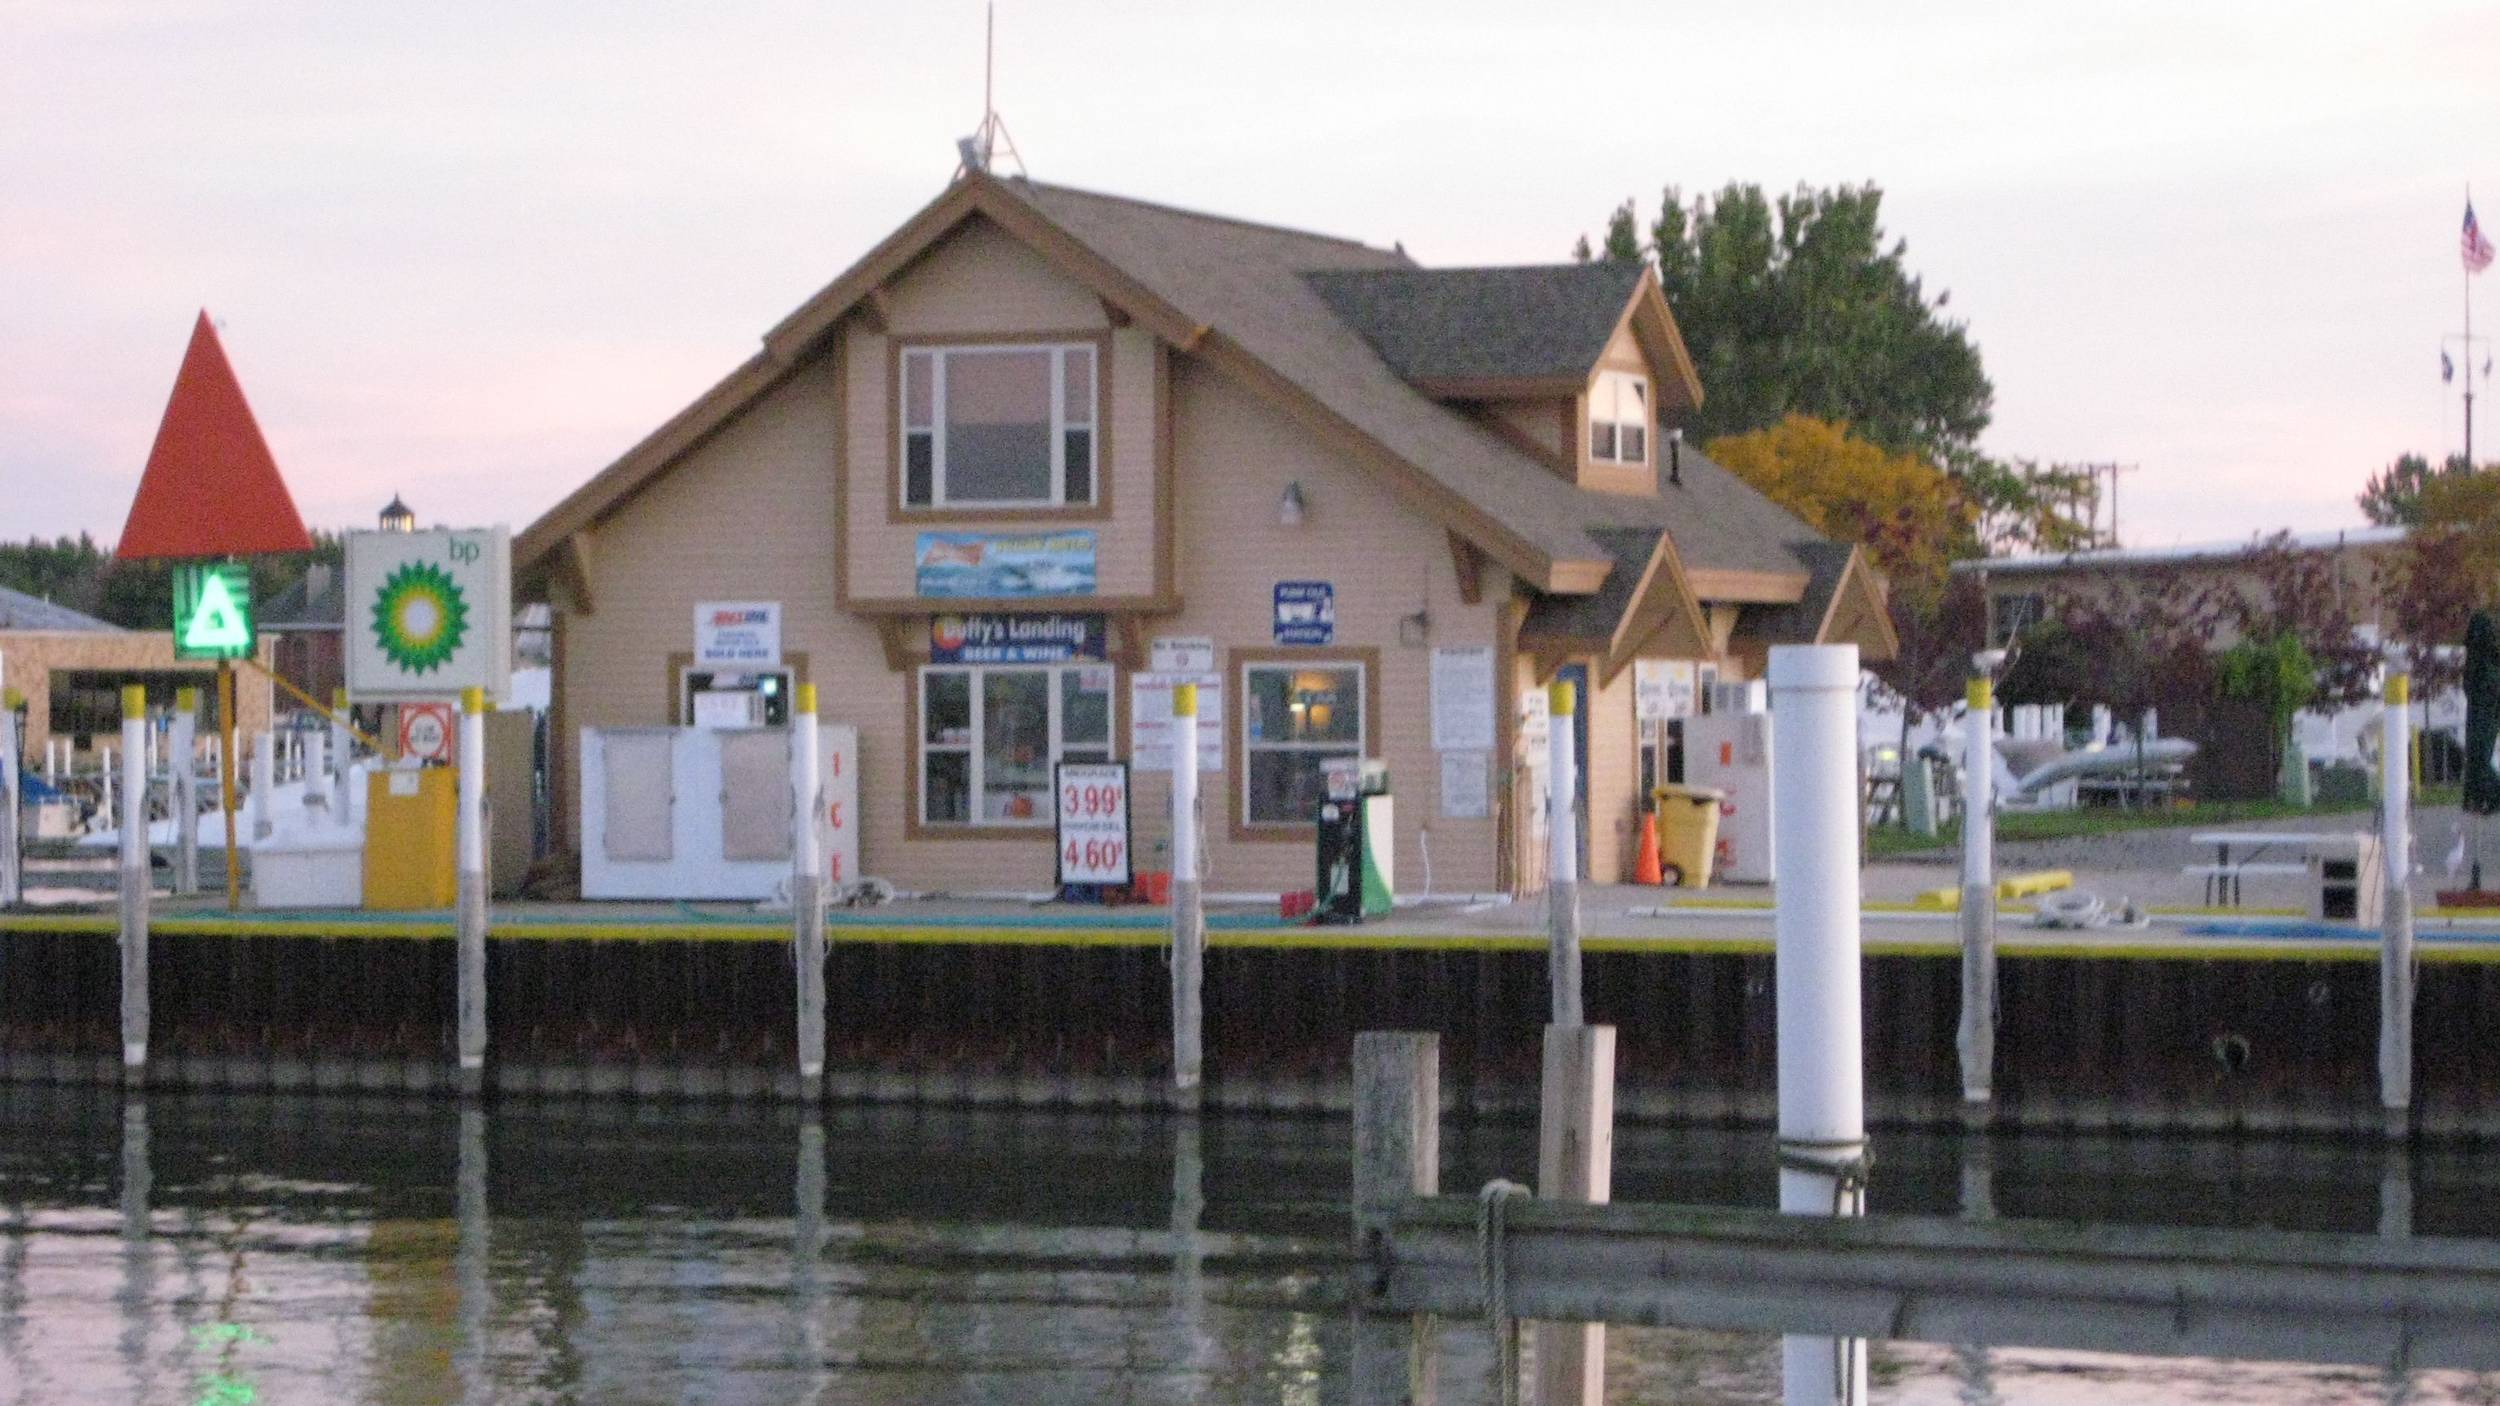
[1562,883]
[1189,919]
[807,893]
[1397,1155]
[472,891]
[136,884]
[1575,1162]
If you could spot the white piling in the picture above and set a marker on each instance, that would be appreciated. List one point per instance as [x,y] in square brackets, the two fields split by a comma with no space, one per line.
[342,756]
[1562,882]
[312,770]
[472,891]
[52,761]
[2395,984]
[135,884]
[264,780]
[107,813]
[1189,919]
[1978,1035]
[807,888]
[1822,1104]
[182,793]
[12,806]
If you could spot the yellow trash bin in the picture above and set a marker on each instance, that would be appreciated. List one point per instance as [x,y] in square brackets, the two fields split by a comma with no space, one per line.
[412,821]
[1688,833]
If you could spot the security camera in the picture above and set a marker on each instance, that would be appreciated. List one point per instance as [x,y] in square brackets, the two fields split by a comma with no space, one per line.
[1988,661]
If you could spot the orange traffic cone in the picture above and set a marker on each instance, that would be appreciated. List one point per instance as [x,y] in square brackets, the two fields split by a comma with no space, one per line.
[1647,869]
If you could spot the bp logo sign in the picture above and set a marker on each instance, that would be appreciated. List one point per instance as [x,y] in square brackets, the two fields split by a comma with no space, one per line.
[420,617]
[428,614]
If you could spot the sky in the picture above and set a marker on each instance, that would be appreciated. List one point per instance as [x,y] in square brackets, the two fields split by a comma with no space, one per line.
[470,253]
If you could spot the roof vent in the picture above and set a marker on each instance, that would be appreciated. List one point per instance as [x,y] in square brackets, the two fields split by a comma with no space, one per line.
[1675,457]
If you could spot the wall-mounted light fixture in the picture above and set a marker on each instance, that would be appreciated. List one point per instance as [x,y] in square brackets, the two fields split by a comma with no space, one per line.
[1414,629]
[1290,505]
[1675,457]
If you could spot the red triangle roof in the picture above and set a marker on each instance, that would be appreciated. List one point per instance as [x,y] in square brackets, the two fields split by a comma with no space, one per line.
[211,488]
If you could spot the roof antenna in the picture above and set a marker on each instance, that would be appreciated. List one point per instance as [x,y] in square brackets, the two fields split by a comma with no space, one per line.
[979,151]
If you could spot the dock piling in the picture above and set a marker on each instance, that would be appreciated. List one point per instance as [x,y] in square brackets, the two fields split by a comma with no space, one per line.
[1822,1097]
[472,887]
[2396,973]
[1189,921]
[1978,1035]
[807,892]
[342,752]
[136,884]
[12,809]
[1562,827]
[1575,1162]
[1397,1155]
[182,789]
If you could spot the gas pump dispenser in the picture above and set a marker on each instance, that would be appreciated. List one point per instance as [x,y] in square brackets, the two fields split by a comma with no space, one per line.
[1357,843]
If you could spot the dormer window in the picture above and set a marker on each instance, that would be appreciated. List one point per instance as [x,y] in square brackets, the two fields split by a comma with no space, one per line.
[998,426]
[1619,418]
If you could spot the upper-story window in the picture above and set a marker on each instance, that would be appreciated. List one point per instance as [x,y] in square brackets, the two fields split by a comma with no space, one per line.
[1619,418]
[999,426]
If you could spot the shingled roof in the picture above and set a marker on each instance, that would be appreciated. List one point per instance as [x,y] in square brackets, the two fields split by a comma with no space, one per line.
[20,611]
[1538,322]
[1342,330]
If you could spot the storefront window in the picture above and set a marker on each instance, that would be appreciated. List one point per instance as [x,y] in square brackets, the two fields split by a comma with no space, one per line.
[1295,718]
[1000,426]
[989,736]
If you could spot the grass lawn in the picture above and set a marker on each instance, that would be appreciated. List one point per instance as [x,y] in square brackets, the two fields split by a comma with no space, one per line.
[1886,841]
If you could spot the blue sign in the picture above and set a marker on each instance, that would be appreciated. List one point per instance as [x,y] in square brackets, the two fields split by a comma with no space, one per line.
[1005,565]
[1306,612]
[1015,639]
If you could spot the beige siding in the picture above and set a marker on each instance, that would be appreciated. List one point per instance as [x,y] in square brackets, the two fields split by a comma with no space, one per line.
[747,515]
[29,658]
[981,283]
[1235,456]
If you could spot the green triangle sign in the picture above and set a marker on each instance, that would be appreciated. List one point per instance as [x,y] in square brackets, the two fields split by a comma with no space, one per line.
[212,612]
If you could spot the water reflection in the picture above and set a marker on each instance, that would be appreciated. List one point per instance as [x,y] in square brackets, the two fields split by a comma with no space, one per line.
[231,1249]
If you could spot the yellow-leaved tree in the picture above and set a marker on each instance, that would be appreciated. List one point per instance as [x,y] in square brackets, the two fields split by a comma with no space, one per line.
[1913,518]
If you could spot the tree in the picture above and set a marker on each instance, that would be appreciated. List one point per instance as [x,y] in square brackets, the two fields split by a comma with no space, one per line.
[1911,516]
[136,595]
[1799,307]
[2448,568]
[2393,496]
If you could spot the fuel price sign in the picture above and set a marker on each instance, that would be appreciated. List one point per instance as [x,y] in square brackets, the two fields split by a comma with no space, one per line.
[1093,831]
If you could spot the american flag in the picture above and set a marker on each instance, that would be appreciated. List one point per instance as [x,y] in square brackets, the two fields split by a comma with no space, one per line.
[2475,249]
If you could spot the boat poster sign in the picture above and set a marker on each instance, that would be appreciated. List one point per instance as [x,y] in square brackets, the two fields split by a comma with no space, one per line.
[1004,565]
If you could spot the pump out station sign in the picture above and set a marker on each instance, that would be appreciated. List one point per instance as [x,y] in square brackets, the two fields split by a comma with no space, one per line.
[428,614]
[213,610]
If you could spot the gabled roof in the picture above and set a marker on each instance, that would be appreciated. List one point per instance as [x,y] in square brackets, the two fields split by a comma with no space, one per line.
[1248,300]
[1843,600]
[20,611]
[1545,322]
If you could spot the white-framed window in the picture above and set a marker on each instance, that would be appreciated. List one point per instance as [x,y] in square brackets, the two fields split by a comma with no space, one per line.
[990,732]
[999,426]
[1619,418]
[1296,716]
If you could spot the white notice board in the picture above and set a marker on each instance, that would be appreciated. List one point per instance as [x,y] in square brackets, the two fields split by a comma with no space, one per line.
[1093,822]
[1462,698]
[1466,785]
[1150,720]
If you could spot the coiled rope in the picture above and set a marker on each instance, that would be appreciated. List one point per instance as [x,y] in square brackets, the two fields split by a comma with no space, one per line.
[1493,1269]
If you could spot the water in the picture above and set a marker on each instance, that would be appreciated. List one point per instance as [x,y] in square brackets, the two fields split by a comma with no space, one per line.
[220,1250]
